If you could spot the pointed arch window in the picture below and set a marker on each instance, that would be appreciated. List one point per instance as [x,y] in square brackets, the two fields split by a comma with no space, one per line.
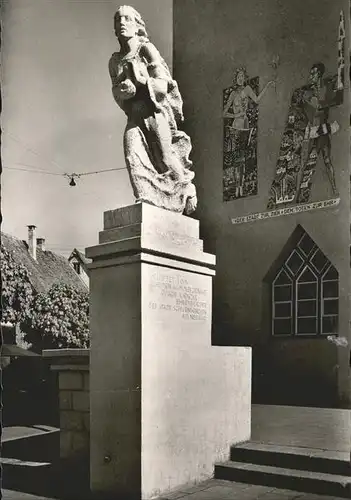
[305,293]
[306,302]
[330,301]
[282,304]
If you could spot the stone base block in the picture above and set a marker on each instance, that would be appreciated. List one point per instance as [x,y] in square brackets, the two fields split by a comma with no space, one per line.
[165,404]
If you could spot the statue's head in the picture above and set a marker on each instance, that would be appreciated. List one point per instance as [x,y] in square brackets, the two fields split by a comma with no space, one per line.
[129,23]
[240,77]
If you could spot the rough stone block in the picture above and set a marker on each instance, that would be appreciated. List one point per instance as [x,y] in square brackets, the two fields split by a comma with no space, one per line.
[71,420]
[81,400]
[86,381]
[65,400]
[71,380]
[80,442]
[65,444]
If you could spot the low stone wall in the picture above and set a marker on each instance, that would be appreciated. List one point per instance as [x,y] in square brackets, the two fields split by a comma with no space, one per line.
[72,366]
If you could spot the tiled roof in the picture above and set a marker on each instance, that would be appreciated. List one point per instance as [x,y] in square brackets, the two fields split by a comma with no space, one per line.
[47,269]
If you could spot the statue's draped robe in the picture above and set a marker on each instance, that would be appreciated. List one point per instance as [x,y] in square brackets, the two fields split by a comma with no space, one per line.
[154,107]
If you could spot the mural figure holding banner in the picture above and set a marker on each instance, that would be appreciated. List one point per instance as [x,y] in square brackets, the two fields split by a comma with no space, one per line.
[240,113]
[308,132]
[316,101]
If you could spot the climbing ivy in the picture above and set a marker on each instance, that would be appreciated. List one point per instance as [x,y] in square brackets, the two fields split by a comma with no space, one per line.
[17,293]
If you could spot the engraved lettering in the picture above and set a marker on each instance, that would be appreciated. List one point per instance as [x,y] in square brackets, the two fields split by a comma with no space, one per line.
[176,295]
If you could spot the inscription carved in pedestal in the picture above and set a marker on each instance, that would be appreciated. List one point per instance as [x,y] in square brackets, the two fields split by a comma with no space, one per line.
[174,238]
[175,294]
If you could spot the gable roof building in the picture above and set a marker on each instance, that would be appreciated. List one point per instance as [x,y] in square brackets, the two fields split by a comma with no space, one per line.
[80,264]
[44,267]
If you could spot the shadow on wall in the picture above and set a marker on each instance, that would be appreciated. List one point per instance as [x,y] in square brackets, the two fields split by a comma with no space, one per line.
[294,372]
[29,393]
[296,364]
[294,361]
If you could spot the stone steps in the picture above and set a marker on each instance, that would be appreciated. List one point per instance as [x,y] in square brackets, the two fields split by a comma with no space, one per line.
[300,469]
[68,481]
[330,462]
[25,475]
[30,463]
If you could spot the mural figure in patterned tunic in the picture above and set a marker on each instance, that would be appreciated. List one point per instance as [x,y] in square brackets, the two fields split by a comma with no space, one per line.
[240,112]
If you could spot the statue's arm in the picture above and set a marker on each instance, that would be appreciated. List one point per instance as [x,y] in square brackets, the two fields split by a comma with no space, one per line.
[155,66]
[114,79]
[122,88]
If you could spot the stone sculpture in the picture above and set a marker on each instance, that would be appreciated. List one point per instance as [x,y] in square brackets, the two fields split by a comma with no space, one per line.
[156,151]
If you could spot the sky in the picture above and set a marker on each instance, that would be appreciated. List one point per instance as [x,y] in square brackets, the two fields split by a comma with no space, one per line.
[59,115]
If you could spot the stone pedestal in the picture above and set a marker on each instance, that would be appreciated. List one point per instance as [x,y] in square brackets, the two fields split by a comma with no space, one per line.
[165,404]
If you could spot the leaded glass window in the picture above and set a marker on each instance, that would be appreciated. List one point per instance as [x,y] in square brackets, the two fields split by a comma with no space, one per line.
[305,293]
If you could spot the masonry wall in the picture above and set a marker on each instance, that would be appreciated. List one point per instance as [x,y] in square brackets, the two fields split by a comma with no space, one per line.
[211,39]
[72,368]
[74,412]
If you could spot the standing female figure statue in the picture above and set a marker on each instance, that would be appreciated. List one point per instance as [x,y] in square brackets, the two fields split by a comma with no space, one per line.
[156,152]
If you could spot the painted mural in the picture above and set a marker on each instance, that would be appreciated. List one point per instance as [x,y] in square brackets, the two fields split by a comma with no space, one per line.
[240,115]
[308,133]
